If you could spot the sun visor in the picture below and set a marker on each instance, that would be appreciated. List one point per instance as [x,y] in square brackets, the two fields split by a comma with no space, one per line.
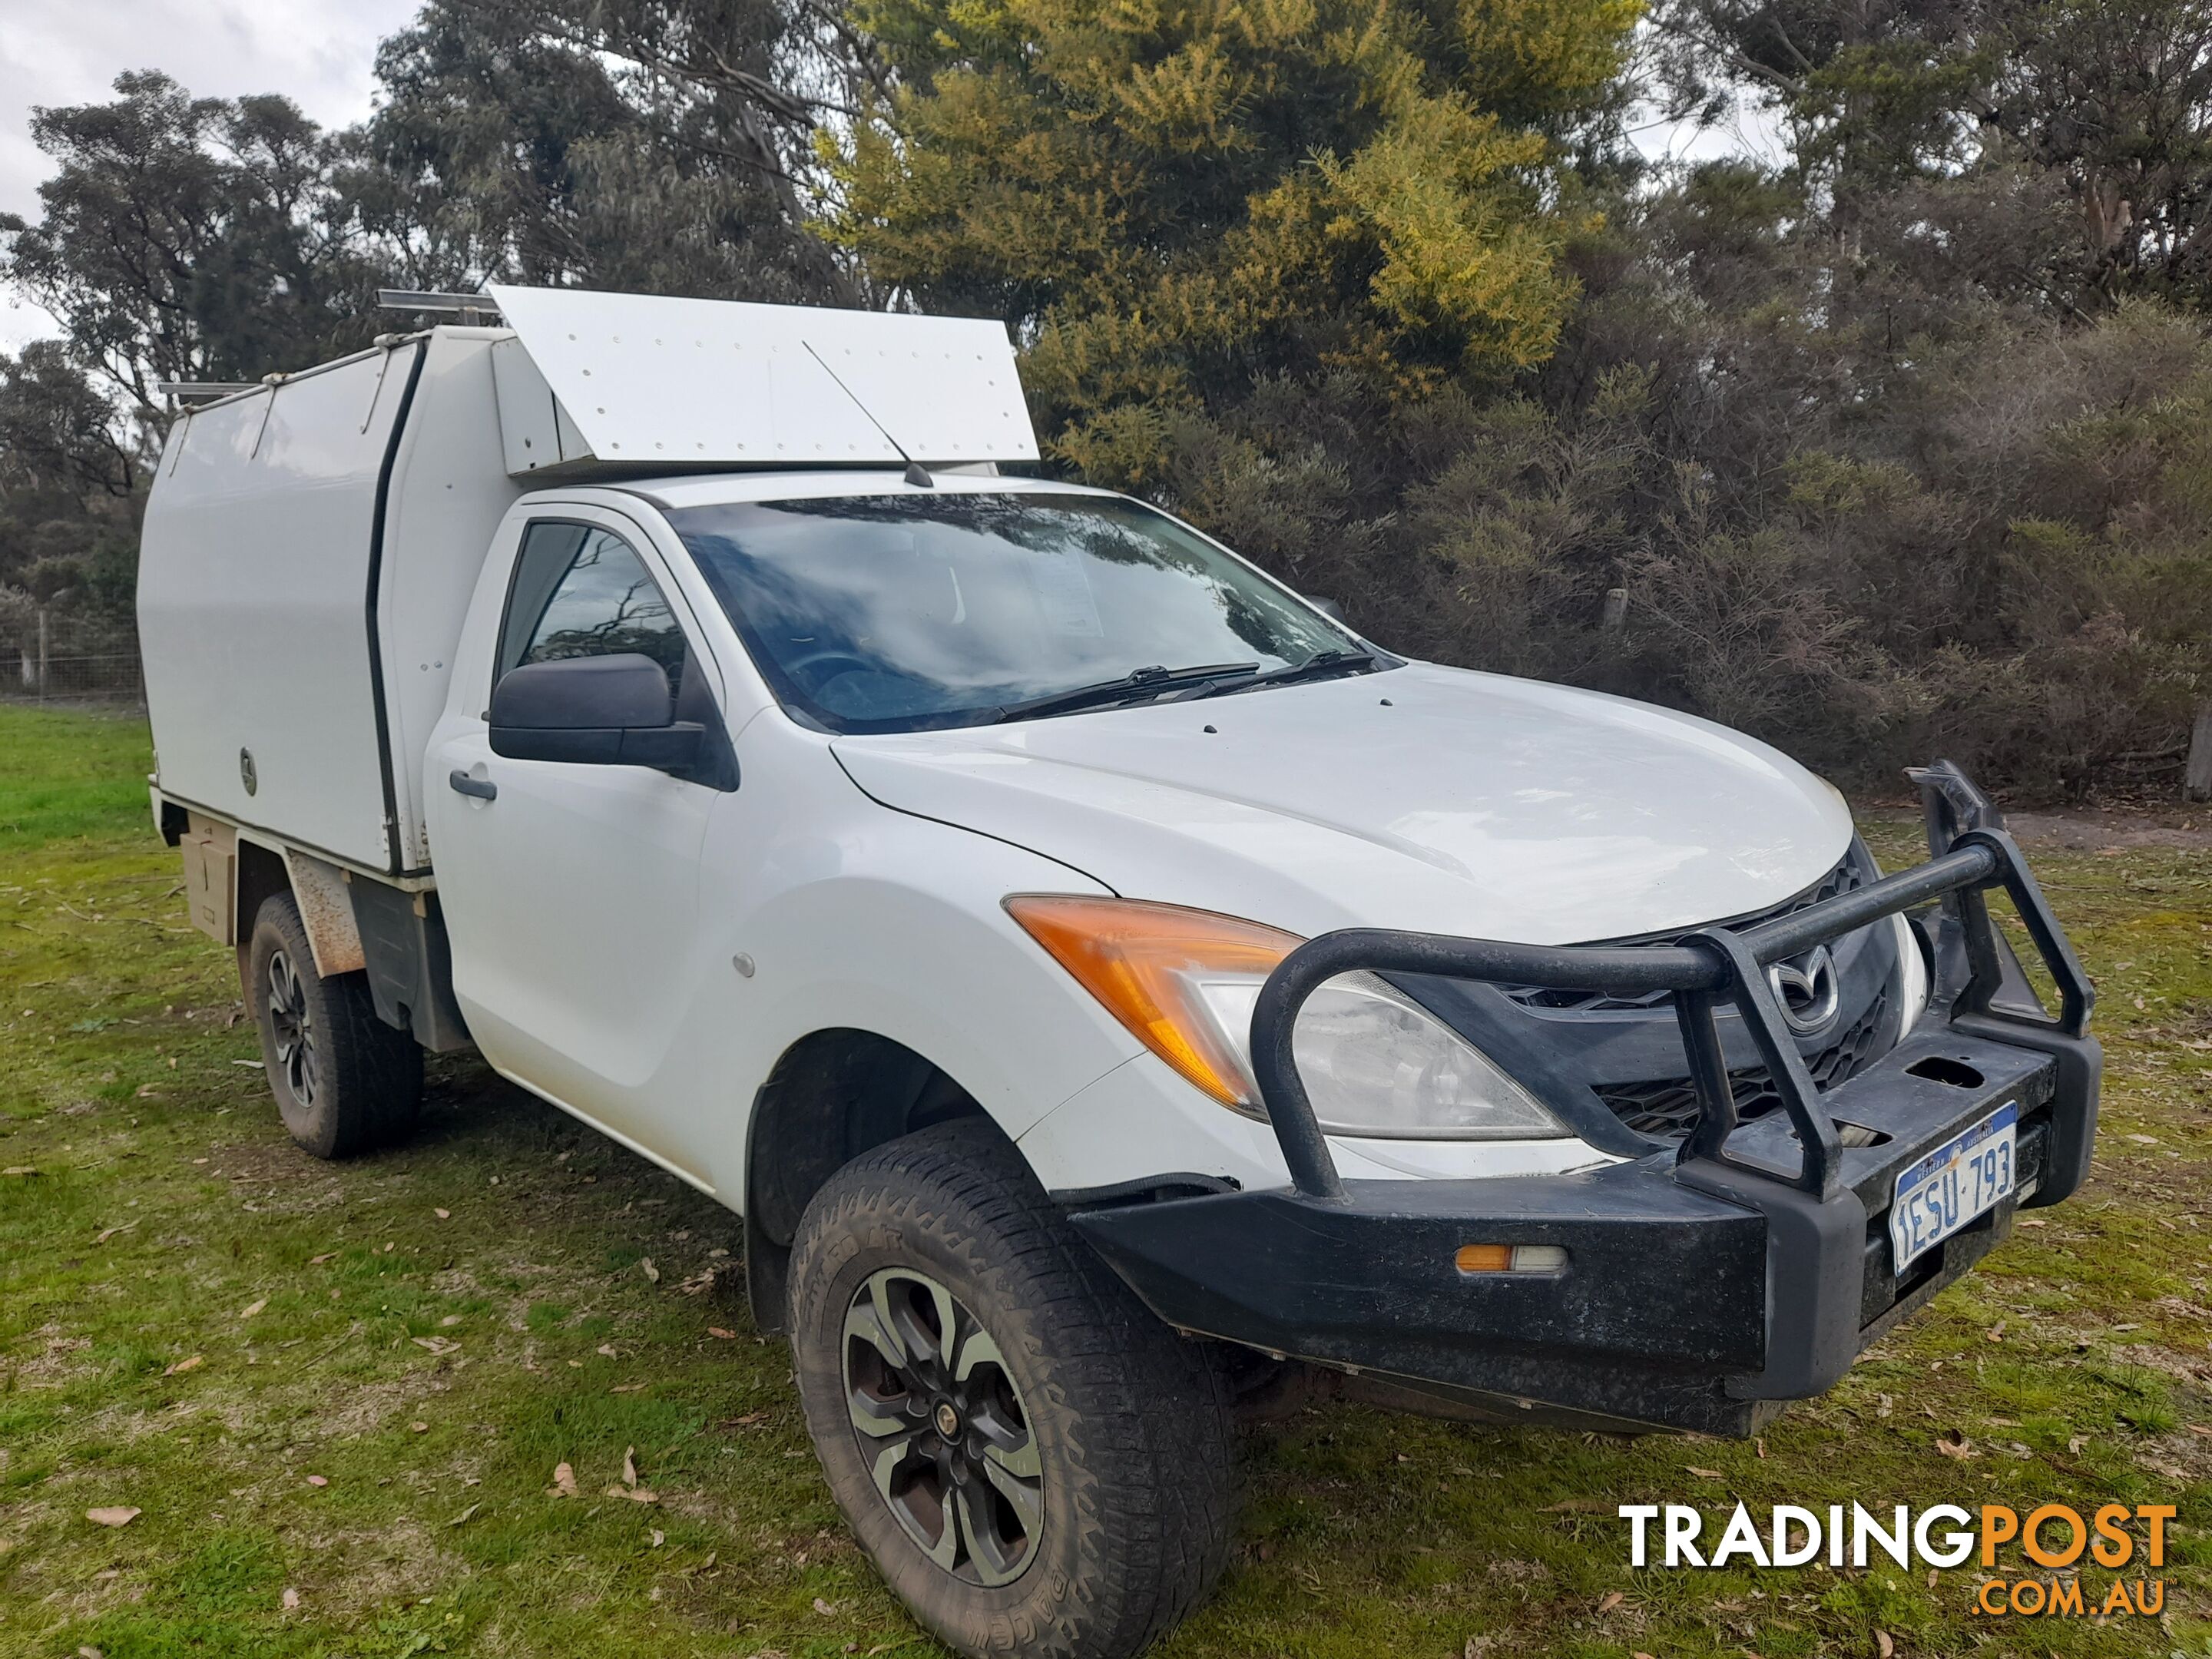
[599,381]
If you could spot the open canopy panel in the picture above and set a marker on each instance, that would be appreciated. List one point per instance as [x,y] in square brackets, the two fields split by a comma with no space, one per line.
[641,380]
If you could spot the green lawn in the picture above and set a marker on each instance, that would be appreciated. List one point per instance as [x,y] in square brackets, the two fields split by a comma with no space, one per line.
[337,1393]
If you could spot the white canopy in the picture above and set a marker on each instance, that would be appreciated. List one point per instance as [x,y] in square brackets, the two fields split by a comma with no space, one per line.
[637,380]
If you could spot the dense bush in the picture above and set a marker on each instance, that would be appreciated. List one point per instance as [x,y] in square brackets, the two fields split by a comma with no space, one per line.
[2010,566]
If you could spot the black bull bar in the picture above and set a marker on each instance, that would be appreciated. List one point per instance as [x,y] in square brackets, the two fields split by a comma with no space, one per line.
[1971,854]
[1709,1283]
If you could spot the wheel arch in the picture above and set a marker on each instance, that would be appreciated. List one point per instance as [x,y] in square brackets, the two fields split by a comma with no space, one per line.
[262,875]
[832,1095]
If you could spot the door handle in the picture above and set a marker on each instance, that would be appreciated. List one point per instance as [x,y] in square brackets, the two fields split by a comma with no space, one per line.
[482,788]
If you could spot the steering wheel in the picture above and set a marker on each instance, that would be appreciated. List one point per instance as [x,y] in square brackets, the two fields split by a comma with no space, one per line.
[804,668]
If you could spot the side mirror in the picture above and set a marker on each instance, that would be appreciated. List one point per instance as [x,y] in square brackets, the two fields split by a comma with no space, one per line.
[593,711]
[1328,608]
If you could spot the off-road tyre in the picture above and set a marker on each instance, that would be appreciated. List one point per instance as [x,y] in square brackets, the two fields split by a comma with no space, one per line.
[1130,1423]
[358,1082]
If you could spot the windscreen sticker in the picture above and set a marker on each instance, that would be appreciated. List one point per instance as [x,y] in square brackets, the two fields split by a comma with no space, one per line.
[1063,594]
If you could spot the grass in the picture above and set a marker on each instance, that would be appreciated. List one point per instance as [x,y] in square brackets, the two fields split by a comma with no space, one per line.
[337,1393]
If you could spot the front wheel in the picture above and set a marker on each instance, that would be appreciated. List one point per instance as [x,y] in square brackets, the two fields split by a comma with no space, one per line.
[345,1082]
[1037,1465]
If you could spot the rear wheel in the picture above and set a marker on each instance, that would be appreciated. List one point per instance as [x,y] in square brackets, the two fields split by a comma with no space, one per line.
[345,1082]
[1037,1465]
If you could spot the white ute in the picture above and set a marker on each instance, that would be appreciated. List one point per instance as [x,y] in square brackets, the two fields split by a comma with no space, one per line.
[1110,991]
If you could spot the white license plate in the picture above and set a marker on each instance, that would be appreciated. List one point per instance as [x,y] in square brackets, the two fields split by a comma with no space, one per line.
[1960,1180]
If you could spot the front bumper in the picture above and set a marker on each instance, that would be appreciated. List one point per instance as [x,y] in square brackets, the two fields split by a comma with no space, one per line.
[1703,1285]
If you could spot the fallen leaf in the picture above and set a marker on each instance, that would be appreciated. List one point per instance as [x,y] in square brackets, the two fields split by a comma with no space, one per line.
[1759,1446]
[827,1609]
[2031,1221]
[438,1344]
[253,1307]
[121,1515]
[626,1388]
[645,1266]
[1705,1474]
[608,1349]
[2074,1445]
[726,1336]
[1956,1445]
[1566,1506]
[442,1215]
[630,1466]
[88,1651]
[450,1320]
[702,1281]
[319,1480]
[1611,1600]
[744,1422]
[418,1427]
[464,1516]
[659,1538]
[107,1233]
[191,1363]
[255,1064]
[564,1482]
[318,1261]
[635,1494]
[1883,1645]
[20,1169]
[1996,1334]
[291,1600]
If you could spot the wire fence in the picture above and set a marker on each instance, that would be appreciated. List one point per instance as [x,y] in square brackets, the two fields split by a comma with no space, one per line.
[75,676]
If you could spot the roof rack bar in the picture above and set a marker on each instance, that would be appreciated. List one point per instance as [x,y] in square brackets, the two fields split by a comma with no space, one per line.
[190,390]
[471,307]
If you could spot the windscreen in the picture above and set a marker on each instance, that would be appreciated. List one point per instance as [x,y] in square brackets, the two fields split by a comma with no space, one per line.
[901,613]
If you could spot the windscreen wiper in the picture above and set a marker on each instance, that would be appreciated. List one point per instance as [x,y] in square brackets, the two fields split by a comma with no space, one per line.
[1322,665]
[1137,683]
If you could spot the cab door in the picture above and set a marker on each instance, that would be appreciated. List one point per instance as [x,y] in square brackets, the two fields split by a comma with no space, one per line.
[571,891]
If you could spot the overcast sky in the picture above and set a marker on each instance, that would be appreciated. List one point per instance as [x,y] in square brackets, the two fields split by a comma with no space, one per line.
[318,52]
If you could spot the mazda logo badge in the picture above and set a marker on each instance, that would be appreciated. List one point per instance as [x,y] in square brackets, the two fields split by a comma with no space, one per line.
[1808,989]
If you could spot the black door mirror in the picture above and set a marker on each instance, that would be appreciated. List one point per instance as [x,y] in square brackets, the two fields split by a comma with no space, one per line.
[595,711]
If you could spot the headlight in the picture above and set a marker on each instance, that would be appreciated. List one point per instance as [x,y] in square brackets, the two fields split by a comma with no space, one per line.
[1184,984]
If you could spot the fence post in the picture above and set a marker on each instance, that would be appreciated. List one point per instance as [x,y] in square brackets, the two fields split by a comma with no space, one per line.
[42,654]
[2196,776]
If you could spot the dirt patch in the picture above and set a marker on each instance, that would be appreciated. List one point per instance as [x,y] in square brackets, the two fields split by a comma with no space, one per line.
[2093,829]
[267,1163]
[55,1364]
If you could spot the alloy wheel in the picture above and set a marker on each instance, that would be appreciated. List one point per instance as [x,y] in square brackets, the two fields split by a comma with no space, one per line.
[942,1427]
[292,1024]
